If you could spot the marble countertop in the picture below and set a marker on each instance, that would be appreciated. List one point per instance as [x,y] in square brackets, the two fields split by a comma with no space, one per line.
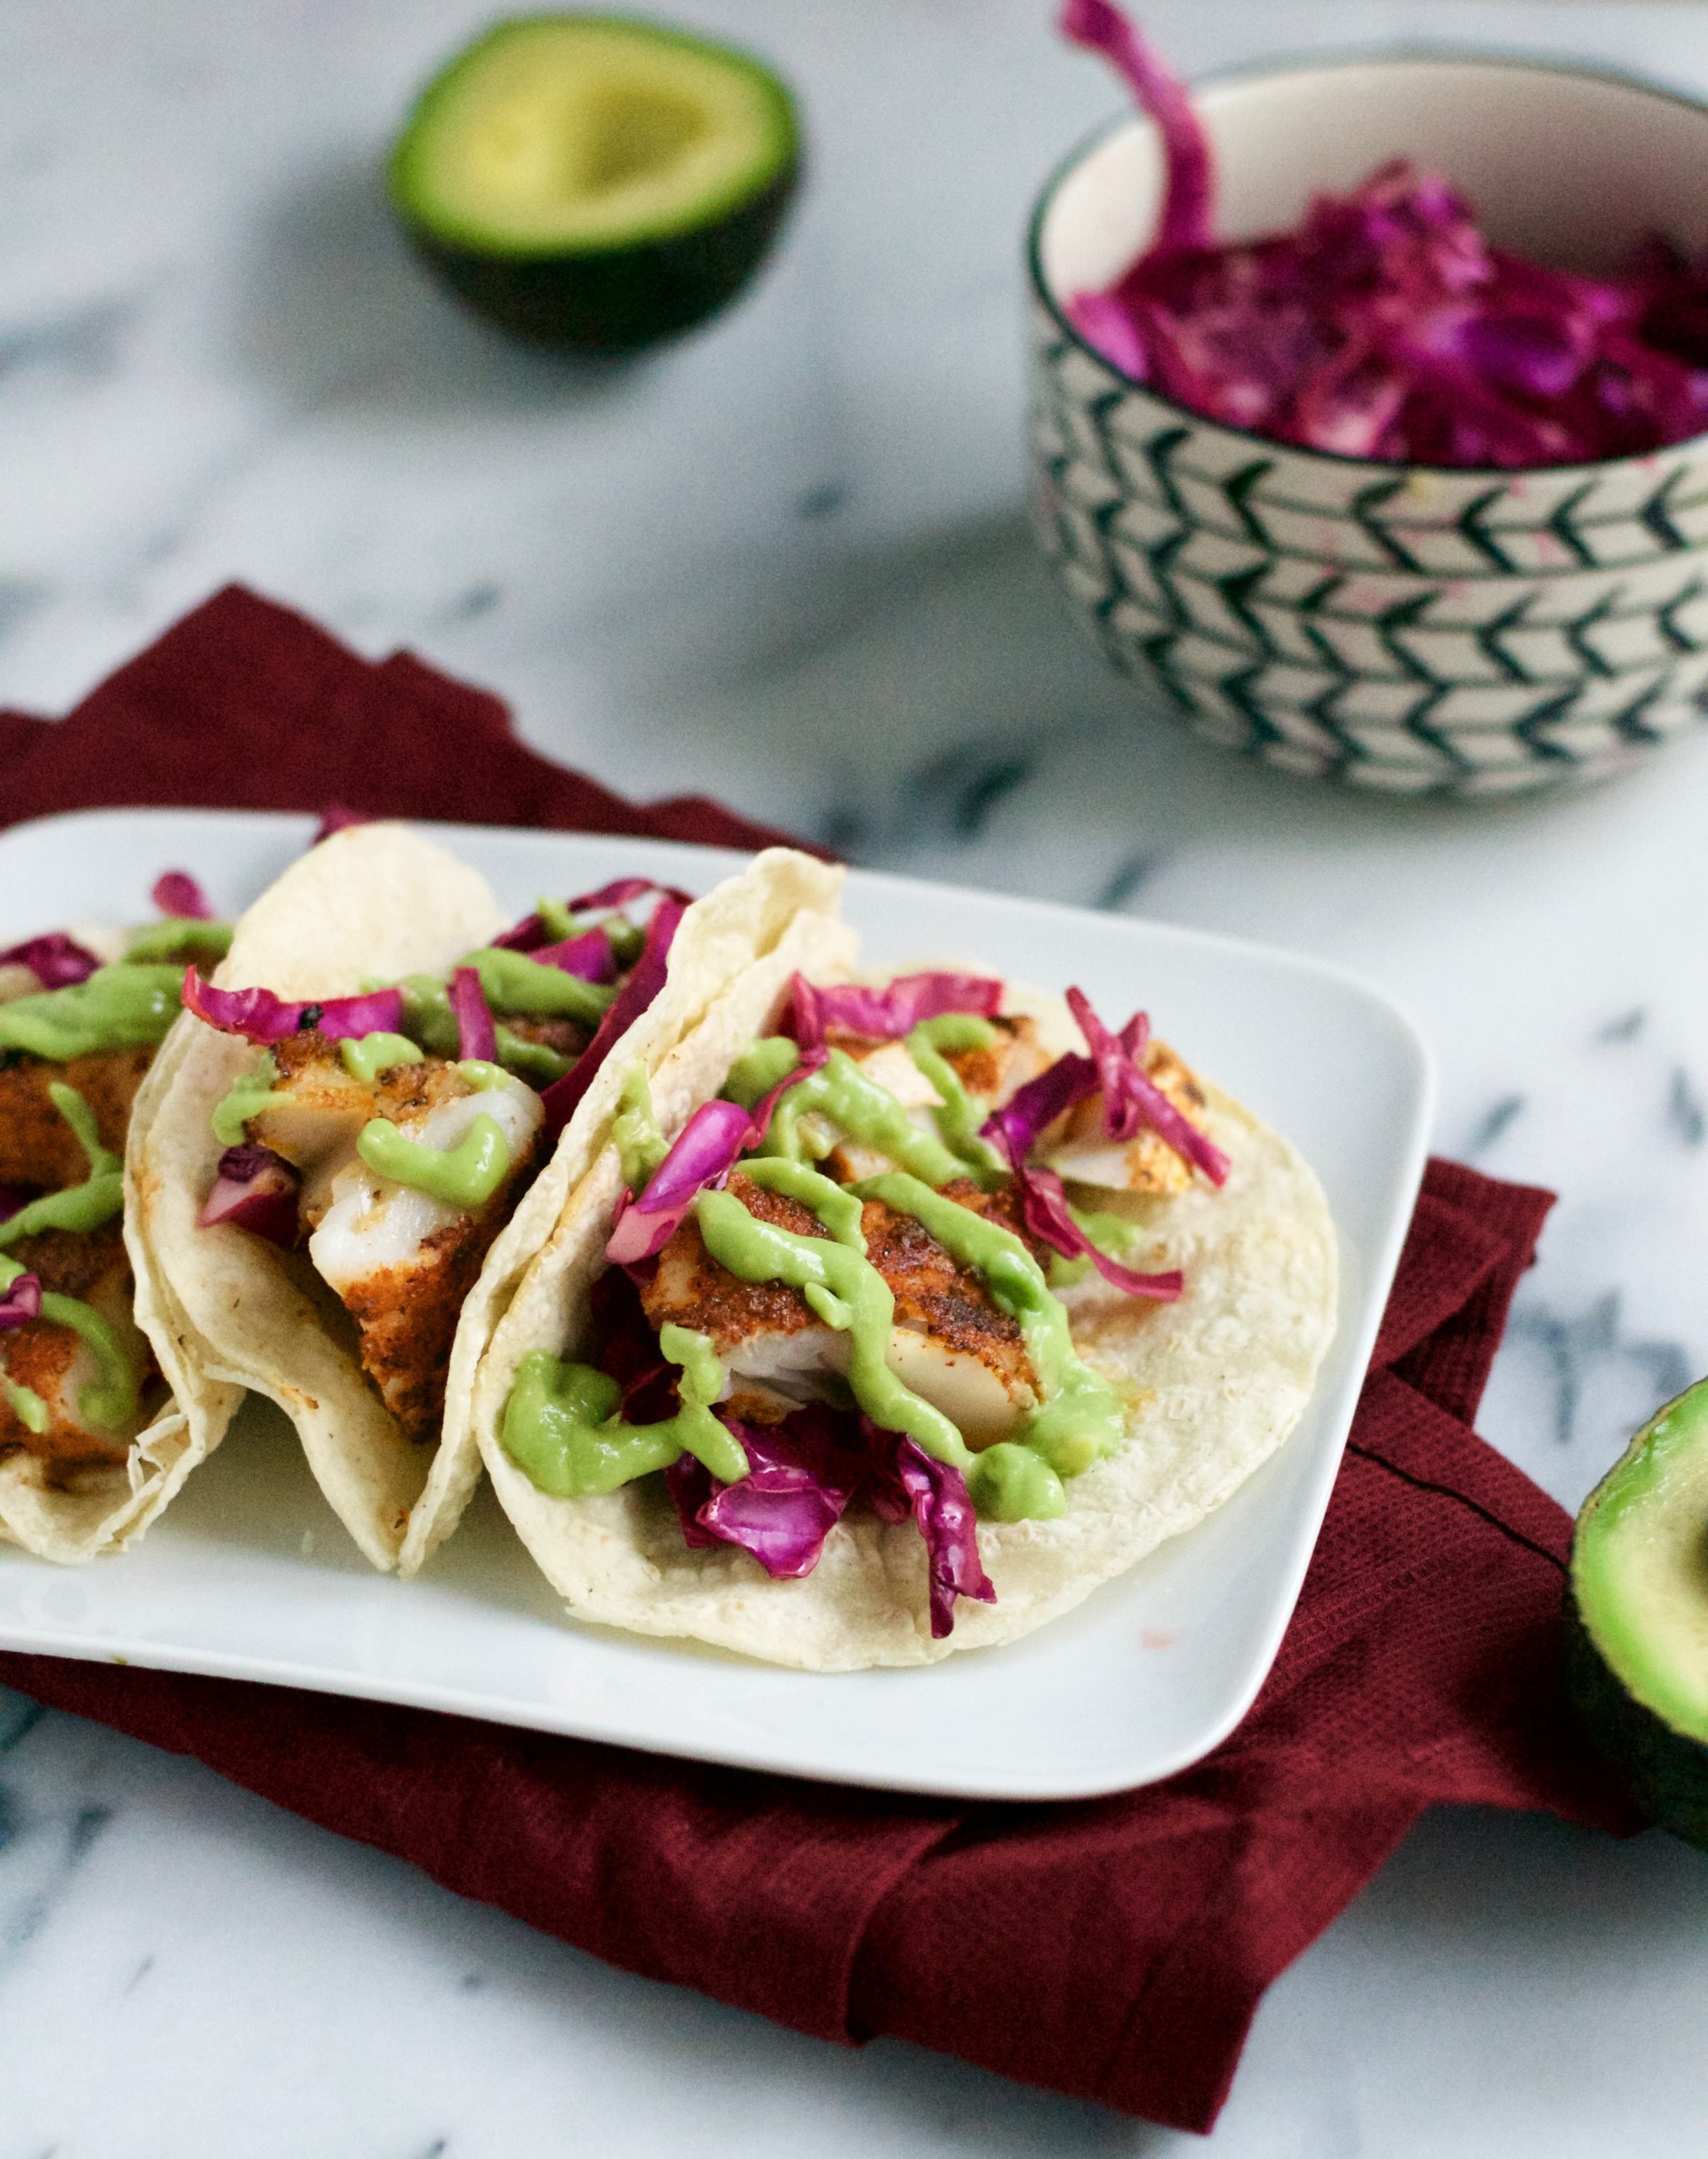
[787,563]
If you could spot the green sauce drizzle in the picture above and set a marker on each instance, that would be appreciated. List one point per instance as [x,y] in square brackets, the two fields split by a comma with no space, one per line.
[626,942]
[464,1176]
[483,1077]
[1080,1417]
[845,1290]
[562,1429]
[640,1145]
[837,1207]
[512,982]
[1013,1482]
[27,1405]
[961,1114]
[556,919]
[867,1113]
[181,936]
[536,1062]
[125,1006]
[252,1092]
[82,1207]
[758,1069]
[427,1017]
[375,1053]
[1112,1233]
[109,1403]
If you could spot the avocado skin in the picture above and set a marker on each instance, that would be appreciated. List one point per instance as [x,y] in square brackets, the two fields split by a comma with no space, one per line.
[1667,1771]
[620,299]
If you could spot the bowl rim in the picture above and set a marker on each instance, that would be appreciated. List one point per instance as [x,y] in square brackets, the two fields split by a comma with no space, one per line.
[1405,53]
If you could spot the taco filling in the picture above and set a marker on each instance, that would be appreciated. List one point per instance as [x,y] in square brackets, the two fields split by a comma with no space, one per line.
[79,1029]
[842,1287]
[389,1137]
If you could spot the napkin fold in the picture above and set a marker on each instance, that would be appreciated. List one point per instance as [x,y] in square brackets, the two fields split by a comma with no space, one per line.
[1115,1949]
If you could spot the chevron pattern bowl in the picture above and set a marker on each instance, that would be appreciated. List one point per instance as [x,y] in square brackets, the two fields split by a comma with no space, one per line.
[1392,627]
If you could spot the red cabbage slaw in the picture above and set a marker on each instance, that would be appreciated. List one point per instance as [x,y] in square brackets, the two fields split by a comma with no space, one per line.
[1386,326]
[180,898]
[802,1476]
[259,1017]
[531,934]
[646,980]
[592,956]
[1130,1099]
[704,1153]
[55,960]
[262,1018]
[883,1015]
[476,1034]
[254,1189]
[21,1301]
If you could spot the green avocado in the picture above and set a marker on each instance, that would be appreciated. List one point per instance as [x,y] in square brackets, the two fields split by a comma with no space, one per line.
[596,184]
[1637,1616]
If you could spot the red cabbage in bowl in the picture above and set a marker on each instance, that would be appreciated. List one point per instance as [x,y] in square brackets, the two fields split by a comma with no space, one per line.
[1386,325]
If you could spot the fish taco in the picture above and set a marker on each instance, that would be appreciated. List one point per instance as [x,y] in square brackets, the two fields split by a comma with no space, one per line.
[97,1433]
[376,1111]
[895,1316]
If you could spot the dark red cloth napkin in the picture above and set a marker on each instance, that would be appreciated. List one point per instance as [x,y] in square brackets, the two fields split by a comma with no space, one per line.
[1115,1949]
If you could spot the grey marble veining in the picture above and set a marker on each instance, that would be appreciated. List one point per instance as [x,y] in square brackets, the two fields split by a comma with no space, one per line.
[787,563]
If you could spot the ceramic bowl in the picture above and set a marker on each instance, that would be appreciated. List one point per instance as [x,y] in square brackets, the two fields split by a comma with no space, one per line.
[1395,627]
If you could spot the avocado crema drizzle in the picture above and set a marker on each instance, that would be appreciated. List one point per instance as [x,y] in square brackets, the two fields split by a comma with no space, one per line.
[109,1403]
[562,1425]
[467,1175]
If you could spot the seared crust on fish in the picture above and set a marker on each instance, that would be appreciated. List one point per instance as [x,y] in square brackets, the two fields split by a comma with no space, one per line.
[38,1148]
[954,1344]
[407,1315]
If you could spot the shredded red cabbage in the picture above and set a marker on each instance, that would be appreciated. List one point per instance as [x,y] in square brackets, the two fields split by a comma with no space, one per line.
[530,933]
[12,1201]
[624,892]
[254,1189]
[590,957]
[646,980]
[476,1035]
[21,1301]
[802,1476]
[1189,203]
[180,898]
[706,1149]
[259,1017]
[903,1480]
[887,1014]
[56,961]
[1016,1125]
[1130,1099]
[1044,1208]
[337,817]
[1386,326]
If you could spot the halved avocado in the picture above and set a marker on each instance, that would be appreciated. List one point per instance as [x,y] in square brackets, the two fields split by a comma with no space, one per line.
[593,183]
[1637,1616]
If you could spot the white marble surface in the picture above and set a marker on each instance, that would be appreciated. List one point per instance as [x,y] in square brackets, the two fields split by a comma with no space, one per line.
[786,563]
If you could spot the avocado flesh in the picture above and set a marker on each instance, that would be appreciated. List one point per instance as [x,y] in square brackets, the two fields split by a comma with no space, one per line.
[1637,1614]
[596,184]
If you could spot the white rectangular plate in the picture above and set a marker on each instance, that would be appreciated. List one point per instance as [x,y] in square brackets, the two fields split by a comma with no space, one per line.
[249,1577]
